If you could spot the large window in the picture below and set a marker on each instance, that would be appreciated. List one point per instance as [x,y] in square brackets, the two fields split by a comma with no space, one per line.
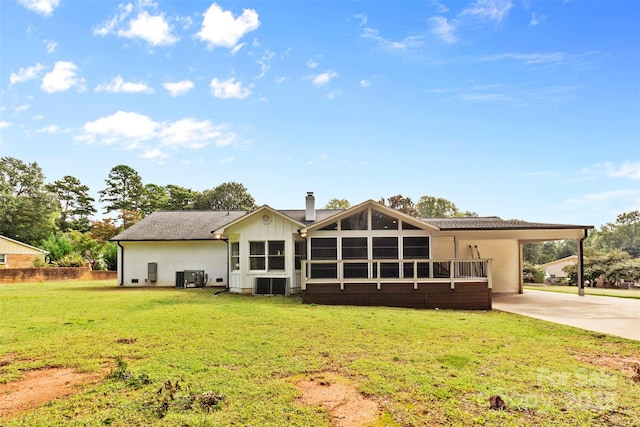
[355,248]
[380,221]
[324,248]
[259,260]
[415,248]
[386,248]
[301,253]
[357,221]
[276,255]
[235,256]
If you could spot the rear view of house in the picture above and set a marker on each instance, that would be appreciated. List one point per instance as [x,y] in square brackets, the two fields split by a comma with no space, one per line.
[368,254]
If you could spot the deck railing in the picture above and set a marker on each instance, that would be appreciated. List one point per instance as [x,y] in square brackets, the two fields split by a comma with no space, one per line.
[396,271]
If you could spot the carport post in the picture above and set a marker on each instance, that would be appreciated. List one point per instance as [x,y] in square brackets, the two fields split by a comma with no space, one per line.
[581,264]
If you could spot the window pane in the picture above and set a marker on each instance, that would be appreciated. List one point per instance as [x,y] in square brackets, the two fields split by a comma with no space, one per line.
[355,222]
[256,248]
[301,253]
[276,247]
[385,248]
[354,248]
[415,247]
[235,256]
[256,263]
[407,226]
[324,248]
[380,221]
[276,263]
[330,227]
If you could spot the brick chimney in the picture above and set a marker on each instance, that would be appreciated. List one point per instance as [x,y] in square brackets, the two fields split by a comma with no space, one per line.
[310,215]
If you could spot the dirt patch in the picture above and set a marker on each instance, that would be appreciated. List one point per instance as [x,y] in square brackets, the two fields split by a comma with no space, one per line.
[625,365]
[347,406]
[41,386]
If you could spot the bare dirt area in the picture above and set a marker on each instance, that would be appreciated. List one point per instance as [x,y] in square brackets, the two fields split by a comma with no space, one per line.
[347,406]
[41,386]
[629,366]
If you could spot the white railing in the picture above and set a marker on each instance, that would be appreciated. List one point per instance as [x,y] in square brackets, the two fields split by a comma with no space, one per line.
[396,271]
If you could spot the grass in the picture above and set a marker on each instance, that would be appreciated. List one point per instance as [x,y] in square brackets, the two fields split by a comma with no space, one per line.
[241,354]
[605,292]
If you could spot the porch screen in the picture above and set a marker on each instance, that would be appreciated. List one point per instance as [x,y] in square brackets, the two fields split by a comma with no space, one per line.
[324,248]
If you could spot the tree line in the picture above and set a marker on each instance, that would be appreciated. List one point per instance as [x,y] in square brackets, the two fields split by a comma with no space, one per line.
[59,216]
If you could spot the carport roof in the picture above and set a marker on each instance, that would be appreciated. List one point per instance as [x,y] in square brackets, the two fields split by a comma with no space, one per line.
[496,223]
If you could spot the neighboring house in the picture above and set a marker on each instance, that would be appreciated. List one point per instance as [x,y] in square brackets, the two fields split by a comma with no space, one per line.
[368,254]
[14,254]
[553,270]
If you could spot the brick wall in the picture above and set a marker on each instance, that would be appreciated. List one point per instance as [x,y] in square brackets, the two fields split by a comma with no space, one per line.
[20,260]
[18,275]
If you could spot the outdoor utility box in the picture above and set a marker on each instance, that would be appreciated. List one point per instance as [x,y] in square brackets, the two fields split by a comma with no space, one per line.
[193,278]
[152,271]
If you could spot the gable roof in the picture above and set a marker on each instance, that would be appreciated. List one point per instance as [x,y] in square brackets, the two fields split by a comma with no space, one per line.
[221,229]
[11,246]
[339,214]
[495,223]
[178,225]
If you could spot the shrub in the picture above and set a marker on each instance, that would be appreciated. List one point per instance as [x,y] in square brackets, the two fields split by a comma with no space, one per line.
[532,273]
[73,259]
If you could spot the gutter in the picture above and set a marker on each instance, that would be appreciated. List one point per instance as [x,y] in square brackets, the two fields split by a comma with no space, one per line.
[121,266]
[581,263]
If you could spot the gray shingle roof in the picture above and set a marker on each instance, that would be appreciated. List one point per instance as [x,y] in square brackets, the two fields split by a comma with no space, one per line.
[179,225]
[495,223]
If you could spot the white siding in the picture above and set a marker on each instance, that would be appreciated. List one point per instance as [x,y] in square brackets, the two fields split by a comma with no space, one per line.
[254,229]
[505,264]
[210,256]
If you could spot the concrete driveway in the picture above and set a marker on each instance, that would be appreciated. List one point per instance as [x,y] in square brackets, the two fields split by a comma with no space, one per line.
[609,315]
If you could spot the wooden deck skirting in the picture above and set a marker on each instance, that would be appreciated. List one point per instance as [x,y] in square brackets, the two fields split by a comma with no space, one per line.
[469,292]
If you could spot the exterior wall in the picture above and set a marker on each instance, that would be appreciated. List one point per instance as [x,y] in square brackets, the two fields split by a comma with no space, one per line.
[505,265]
[554,268]
[443,248]
[210,256]
[20,260]
[23,275]
[254,229]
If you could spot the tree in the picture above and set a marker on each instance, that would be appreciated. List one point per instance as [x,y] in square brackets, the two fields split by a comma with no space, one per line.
[438,207]
[610,266]
[154,198]
[27,210]
[179,197]
[401,203]
[124,191]
[337,204]
[227,196]
[76,206]
[103,230]
[623,234]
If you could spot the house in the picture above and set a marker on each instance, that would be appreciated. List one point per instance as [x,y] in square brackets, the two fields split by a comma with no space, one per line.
[15,254]
[368,254]
[553,270]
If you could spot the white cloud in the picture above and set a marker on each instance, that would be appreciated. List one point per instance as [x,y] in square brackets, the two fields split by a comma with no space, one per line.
[236,48]
[630,170]
[365,83]
[323,79]
[133,131]
[362,17]
[154,29]
[312,64]
[535,19]
[4,125]
[528,58]
[220,28]
[118,85]
[50,45]
[42,7]
[25,74]
[409,42]
[322,158]
[228,89]
[443,29]
[605,196]
[62,78]
[493,10]
[54,129]
[265,63]
[178,88]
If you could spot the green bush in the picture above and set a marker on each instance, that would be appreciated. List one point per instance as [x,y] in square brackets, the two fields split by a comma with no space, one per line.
[73,259]
[532,273]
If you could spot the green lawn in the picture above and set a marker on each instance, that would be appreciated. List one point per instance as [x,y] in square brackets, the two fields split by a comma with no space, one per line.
[423,367]
[606,292]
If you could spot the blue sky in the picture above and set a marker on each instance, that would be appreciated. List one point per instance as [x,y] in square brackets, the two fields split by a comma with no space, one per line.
[520,109]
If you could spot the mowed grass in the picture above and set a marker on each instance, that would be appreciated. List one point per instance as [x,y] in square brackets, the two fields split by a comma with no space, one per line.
[423,367]
[605,292]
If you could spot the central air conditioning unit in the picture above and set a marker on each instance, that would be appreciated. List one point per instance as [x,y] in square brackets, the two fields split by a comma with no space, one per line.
[191,278]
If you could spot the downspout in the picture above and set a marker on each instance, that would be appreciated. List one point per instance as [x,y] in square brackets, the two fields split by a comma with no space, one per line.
[122,264]
[226,289]
[581,263]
